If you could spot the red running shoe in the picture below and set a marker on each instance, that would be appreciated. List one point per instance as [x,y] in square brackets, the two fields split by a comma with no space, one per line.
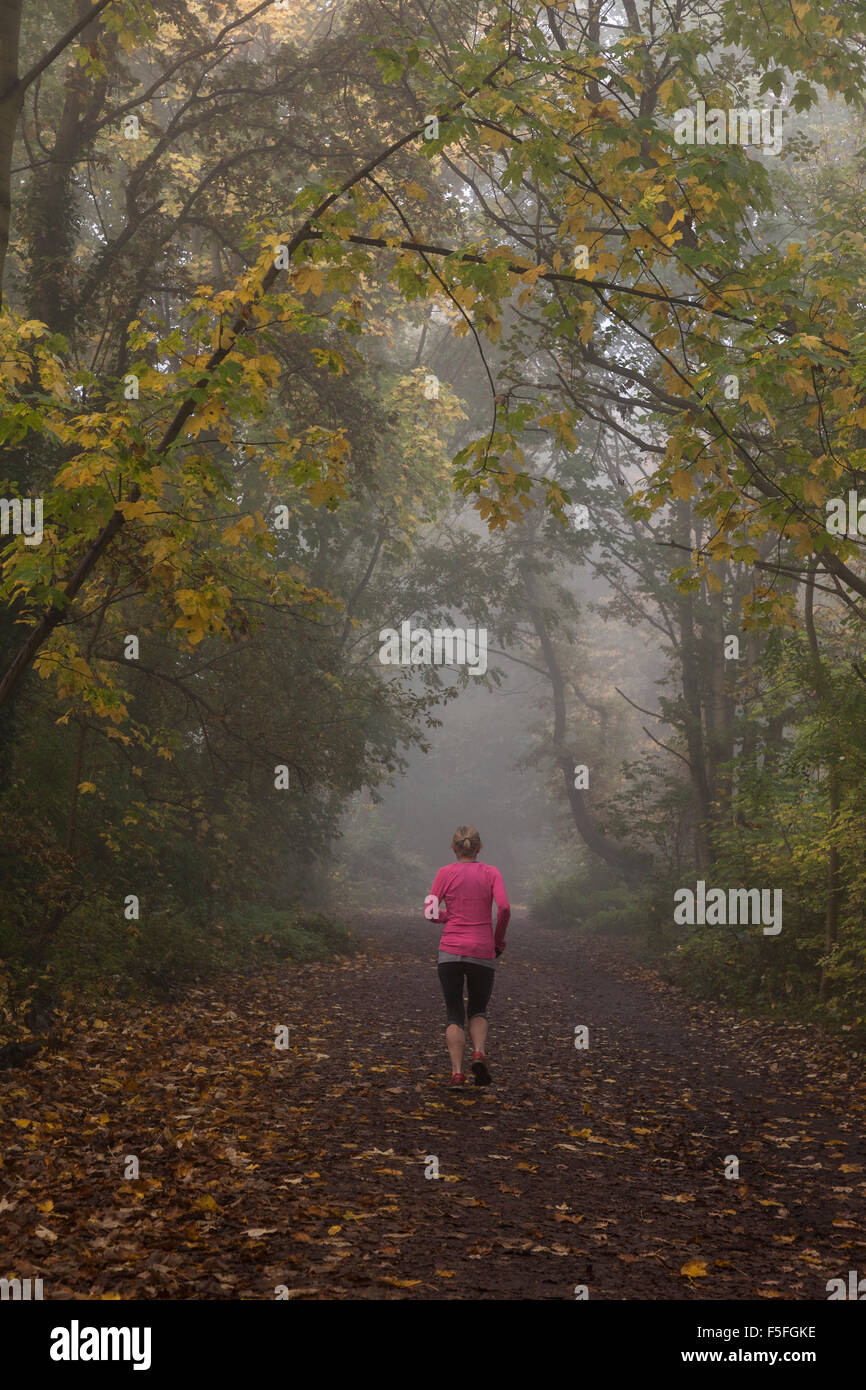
[457,1078]
[479,1068]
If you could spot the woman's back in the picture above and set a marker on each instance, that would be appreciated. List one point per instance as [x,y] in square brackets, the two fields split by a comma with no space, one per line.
[468,890]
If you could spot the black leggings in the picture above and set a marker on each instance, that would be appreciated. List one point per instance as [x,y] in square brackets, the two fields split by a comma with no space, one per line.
[479,987]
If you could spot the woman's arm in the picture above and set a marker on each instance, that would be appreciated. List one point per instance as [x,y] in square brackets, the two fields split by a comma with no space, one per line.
[434,904]
[503,909]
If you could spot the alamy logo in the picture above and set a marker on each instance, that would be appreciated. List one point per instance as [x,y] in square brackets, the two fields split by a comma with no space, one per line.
[846,518]
[736,126]
[418,646]
[856,1289]
[76,1343]
[20,1290]
[736,907]
[22,517]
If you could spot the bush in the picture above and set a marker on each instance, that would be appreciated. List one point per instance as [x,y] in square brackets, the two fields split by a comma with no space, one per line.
[249,937]
[95,956]
[555,904]
[590,900]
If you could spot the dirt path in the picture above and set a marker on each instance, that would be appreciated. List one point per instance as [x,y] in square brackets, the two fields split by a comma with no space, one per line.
[306,1168]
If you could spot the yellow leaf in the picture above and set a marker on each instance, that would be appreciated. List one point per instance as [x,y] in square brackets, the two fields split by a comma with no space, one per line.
[205,1204]
[494,138]
[400,1283]
[530,276]
[682,484]
[696,1269]
[758,404]
[309,279]
[812,490]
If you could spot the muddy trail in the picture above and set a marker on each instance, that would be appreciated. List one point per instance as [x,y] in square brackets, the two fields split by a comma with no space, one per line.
[308,1172]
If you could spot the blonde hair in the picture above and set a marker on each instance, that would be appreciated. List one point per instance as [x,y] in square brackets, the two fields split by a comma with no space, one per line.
[466,841]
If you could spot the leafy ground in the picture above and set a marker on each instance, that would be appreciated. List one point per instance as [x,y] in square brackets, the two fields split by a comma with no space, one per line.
[305,1168]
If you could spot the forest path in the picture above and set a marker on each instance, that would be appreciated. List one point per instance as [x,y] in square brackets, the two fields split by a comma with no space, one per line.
[306,1168]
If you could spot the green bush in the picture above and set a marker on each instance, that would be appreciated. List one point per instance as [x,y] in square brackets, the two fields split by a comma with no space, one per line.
[622,920]
[267,933]
[95,956]
[555,903]
[591,901]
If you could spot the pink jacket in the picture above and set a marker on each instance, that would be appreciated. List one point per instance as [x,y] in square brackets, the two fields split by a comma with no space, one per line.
[464,894]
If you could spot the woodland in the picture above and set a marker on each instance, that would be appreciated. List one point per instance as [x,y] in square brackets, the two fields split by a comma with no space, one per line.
[318,317]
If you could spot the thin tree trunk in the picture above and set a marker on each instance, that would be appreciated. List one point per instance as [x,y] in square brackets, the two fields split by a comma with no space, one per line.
[713,645]
[692,716]
[49,216]
[11,99]
[834,868]
[593,837]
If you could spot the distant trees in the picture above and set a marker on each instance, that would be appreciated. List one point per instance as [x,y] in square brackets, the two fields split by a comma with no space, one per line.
[241,236]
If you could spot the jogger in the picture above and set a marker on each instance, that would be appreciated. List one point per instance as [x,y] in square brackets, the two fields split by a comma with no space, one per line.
[462,899]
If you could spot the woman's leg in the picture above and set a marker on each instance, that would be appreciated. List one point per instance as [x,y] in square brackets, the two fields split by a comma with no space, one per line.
[451,979]
[455,1041]
[478,1032]
[479,985]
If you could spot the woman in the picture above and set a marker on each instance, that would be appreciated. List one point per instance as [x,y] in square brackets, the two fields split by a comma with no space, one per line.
[461,898]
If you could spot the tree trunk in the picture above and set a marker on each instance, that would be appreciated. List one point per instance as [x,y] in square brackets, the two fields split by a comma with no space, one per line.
[720,723]
[624,861]
[692,714]
[11,98]
[834,869]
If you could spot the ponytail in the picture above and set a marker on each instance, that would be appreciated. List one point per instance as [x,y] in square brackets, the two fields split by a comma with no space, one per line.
[466,841]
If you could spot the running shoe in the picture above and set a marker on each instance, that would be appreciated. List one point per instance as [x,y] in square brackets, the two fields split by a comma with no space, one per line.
[479,1069]
[457,1078]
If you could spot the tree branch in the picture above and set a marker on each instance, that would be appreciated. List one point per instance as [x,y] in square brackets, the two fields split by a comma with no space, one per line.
[19,87]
